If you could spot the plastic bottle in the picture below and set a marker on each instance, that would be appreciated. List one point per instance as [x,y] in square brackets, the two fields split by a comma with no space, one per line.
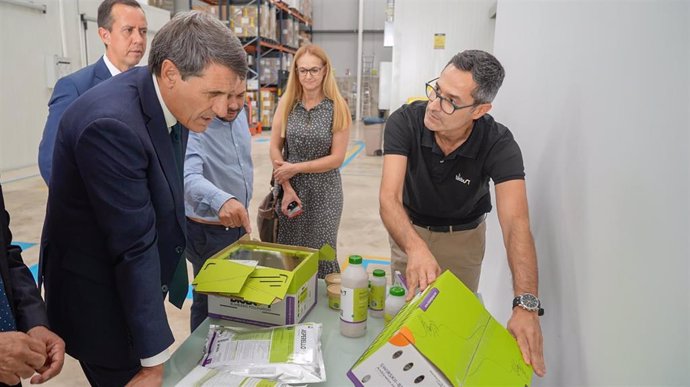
[394,302]
[377,293]
[354,298]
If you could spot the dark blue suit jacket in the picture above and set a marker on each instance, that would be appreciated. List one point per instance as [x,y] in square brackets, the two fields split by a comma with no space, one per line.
[114,230]
[25,300]
[66,90]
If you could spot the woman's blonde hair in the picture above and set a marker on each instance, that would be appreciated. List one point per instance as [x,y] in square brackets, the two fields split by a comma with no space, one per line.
[293,92]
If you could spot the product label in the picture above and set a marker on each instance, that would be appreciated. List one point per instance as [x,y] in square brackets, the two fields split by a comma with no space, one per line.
[353,304]
[377,297]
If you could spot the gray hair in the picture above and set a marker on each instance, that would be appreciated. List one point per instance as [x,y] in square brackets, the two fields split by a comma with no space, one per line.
[105,11]
[193,40]
[487,73]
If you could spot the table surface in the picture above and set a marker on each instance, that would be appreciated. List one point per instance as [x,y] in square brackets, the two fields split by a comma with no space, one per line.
[339,352]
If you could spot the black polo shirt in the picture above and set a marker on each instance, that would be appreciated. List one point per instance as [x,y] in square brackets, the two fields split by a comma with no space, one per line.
[450,190]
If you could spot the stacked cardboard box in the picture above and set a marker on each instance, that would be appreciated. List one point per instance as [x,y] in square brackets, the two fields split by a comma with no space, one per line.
[287,61]
[304,38]
[253,97]
[268,70]
[249,21]
[272,31]
[287,32]
[304,7]
[268,105]
[295,33]
[243,20]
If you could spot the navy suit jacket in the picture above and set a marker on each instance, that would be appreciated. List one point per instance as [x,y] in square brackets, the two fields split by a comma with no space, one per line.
[66,90]
[25,299]
[114,230]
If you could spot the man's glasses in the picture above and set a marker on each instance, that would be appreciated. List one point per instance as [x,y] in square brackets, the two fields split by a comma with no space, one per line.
[448,106]
[314,71]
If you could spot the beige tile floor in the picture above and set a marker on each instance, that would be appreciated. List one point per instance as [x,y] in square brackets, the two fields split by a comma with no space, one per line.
[361,231]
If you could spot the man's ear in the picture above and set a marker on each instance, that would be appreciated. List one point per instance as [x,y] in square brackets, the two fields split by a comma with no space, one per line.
[480,110]
[170,74]
[104,35]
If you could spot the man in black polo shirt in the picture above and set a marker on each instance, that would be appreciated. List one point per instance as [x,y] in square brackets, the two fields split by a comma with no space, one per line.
[439,157]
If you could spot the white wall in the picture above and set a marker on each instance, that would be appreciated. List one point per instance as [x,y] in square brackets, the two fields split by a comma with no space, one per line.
[466,24]
[27,36]
[597,95]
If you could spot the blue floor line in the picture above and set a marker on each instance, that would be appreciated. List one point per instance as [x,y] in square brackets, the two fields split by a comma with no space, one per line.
[34,272]
[366,262]
[358,143]
[23,245]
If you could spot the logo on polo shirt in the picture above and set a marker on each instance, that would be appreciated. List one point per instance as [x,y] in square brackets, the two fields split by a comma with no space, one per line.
[461,179]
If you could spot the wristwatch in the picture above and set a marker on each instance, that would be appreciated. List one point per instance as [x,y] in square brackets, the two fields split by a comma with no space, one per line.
[530,302]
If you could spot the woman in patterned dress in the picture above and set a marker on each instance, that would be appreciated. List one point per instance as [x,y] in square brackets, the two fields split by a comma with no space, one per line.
[312,121]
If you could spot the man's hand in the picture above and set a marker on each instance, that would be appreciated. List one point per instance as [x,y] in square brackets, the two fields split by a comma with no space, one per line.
[55,351]
[284,171]
[524,325]
[422,270]
[148,376]
[20,356]
[233,214]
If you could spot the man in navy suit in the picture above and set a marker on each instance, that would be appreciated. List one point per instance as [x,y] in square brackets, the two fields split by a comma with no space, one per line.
[26,345]
[122,28]
[114,235]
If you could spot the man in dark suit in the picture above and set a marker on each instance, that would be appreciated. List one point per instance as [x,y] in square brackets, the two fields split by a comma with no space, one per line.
[122,28]
[114,236]
[26,345]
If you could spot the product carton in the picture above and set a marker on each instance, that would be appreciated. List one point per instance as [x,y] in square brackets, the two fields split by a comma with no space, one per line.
[261,283]
[443,337]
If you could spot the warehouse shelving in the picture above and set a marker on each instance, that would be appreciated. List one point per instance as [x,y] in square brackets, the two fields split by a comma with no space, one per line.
[262,84]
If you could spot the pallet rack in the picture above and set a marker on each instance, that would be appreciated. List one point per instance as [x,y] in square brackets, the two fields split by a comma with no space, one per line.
[262,45]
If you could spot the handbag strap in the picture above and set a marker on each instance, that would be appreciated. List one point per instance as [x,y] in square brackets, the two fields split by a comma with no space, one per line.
[285,157]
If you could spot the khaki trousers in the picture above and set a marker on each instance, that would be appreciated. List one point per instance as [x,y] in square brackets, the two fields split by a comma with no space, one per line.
[461,252]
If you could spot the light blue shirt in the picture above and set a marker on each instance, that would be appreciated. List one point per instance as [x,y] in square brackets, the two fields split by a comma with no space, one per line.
[218,167]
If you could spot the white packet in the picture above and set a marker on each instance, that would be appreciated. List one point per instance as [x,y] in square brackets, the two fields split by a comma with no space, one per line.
[289,354]
[206,377]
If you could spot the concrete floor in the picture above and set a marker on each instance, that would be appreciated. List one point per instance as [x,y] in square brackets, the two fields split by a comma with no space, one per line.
[361,230]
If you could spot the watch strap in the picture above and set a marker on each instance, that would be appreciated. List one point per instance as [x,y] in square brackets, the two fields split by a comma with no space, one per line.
[516,302]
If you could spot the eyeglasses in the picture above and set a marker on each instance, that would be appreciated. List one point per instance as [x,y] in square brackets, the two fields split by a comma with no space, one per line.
[314,71]
[448,106]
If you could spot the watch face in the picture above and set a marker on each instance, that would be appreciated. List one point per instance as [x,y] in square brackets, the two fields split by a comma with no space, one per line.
[529,302]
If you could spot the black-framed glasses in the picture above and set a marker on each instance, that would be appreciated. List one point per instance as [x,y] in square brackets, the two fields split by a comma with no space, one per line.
[314,71]
[448,106]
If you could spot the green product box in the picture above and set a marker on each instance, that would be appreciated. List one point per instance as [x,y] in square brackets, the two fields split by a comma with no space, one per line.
[443,337]
[261,283]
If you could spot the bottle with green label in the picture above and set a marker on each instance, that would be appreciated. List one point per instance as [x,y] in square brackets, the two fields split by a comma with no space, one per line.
[354,298]
[377,293]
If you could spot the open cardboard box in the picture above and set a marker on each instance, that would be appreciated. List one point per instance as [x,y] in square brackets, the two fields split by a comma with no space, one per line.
[443,337]
[261,283]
